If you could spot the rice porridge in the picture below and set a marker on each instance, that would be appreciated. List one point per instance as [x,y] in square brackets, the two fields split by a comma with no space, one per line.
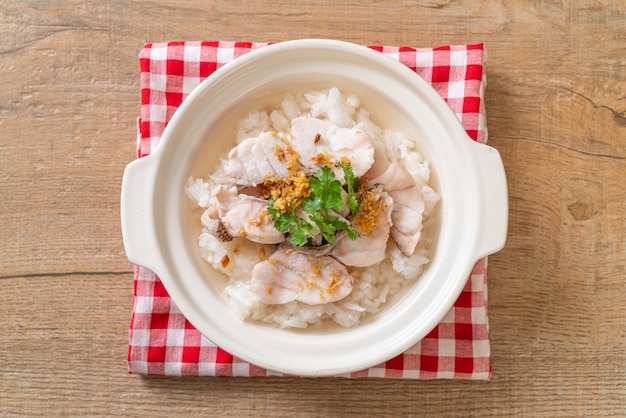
[316,214]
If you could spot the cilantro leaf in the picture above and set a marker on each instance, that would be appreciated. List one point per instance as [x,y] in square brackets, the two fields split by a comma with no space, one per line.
[327,228]
[283,222]
[298,229]
[352,233]
[325,192]
[299,235]
[353,185]
[325,195]
[340,225]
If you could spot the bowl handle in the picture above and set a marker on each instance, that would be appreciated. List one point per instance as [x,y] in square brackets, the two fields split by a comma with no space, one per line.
[494,214]
[137,213]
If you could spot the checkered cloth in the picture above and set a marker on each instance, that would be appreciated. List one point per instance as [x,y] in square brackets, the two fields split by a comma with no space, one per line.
[163,342]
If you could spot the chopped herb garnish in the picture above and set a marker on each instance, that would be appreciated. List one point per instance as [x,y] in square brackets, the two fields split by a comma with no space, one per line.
[299,230]
[325,197]
[353,185]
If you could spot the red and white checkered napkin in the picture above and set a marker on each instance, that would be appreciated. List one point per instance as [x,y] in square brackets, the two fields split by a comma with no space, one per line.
[163,342]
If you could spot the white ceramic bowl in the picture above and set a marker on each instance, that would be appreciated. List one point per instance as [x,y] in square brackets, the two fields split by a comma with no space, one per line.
[160,231]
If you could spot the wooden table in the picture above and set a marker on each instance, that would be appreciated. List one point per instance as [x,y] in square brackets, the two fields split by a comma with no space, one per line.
[556,105]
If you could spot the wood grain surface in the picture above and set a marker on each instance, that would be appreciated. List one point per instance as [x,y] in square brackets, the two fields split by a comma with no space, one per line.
[556,105]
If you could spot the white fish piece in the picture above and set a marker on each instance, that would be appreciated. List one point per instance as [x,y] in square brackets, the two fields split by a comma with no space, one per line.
[367,249]
[408,202]
[320,143]
[250,162]
[289,274]
[235,258]
[239,215]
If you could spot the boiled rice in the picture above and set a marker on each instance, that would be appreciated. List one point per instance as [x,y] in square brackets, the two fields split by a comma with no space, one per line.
[374,285]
